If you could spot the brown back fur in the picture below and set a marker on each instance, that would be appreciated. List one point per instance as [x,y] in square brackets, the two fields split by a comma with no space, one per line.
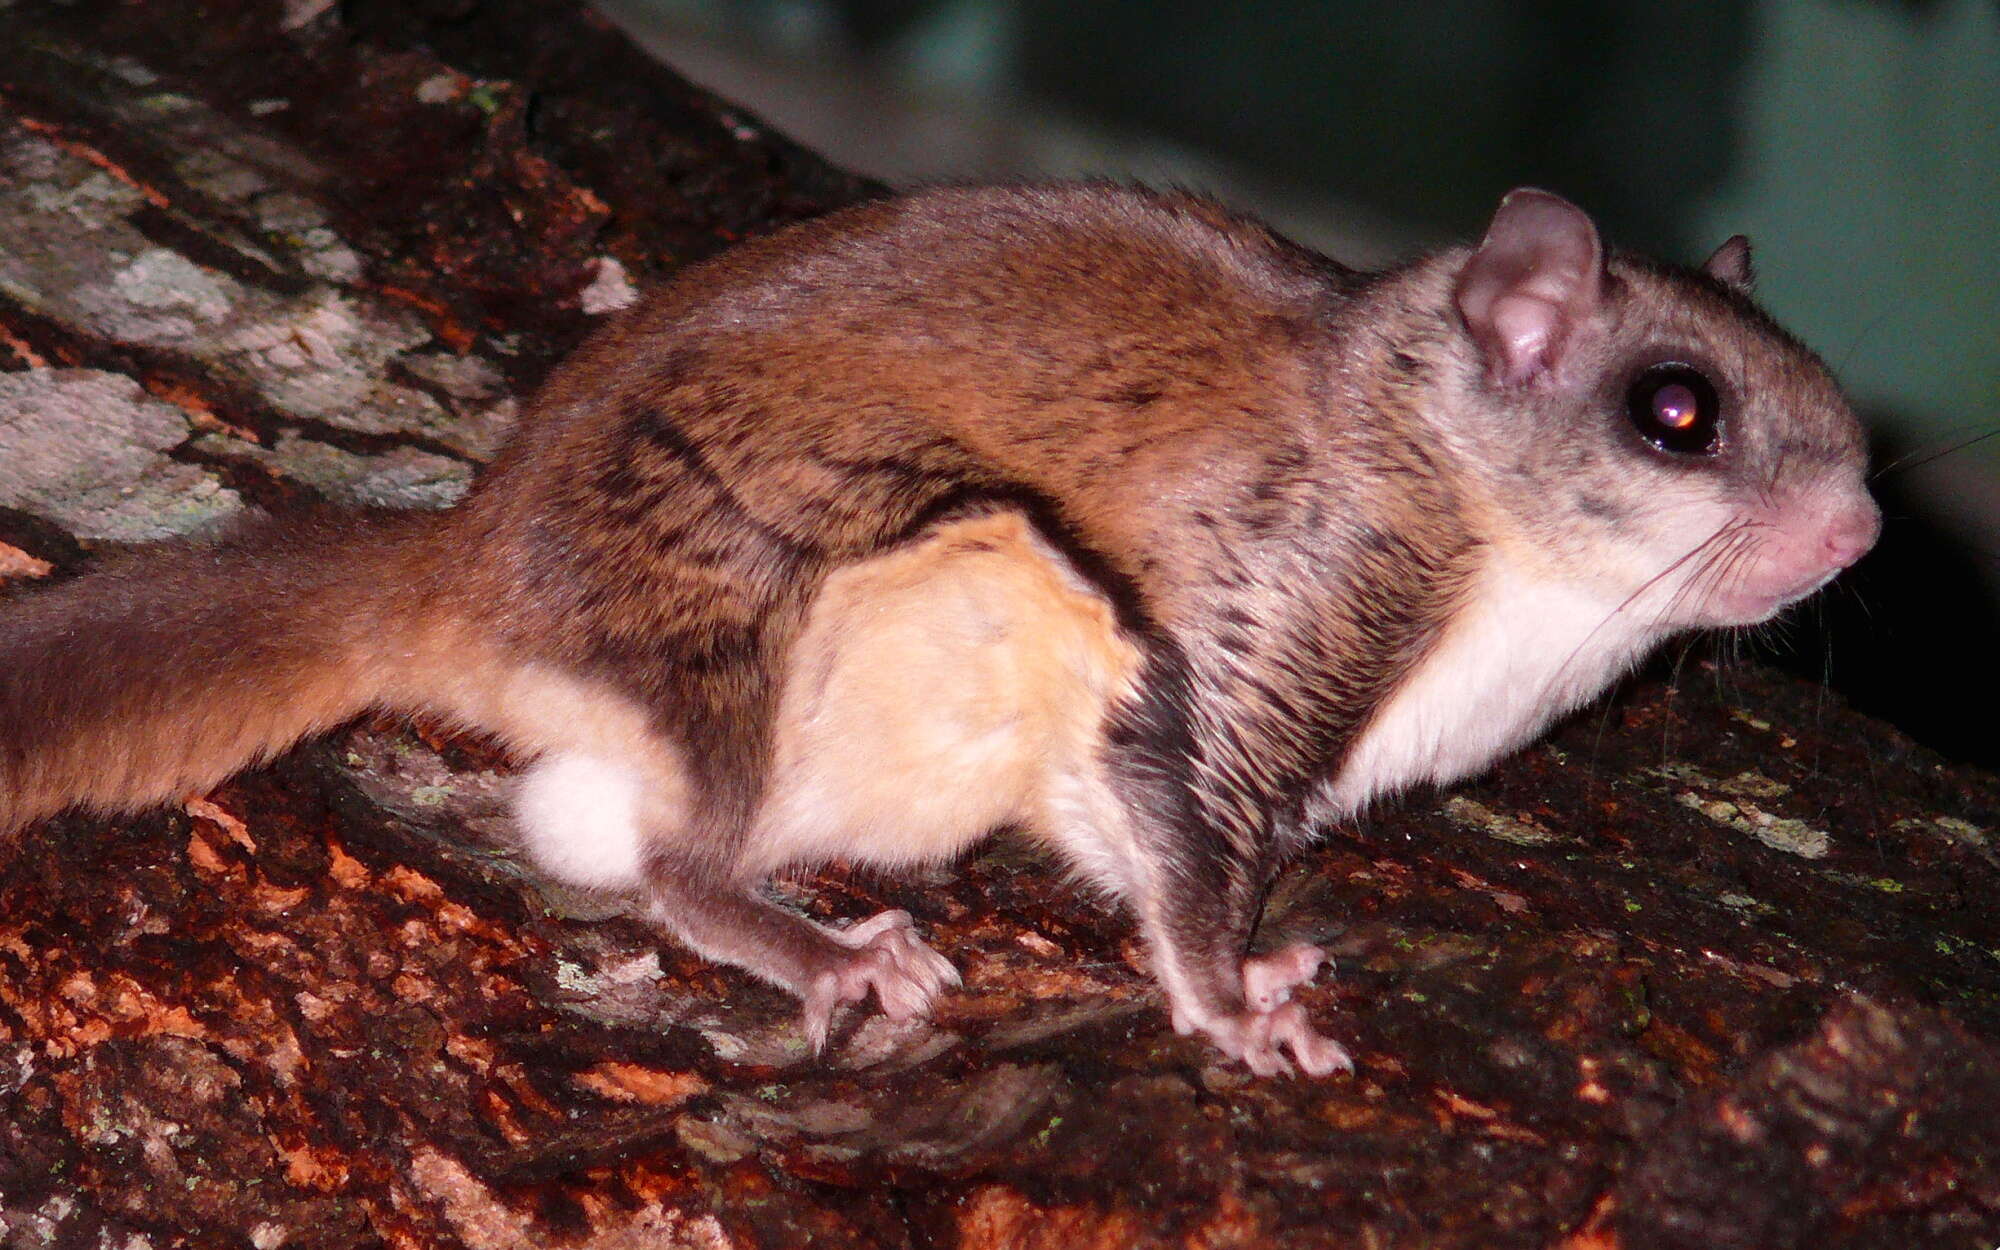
[691,476]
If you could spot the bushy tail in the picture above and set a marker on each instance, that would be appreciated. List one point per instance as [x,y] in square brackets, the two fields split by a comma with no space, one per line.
[162,674]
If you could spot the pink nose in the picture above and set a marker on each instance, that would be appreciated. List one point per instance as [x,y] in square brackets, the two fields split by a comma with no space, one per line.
[1851,532]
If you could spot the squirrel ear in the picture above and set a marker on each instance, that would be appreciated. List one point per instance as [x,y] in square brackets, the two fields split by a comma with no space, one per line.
[1731,265]
[1532,285]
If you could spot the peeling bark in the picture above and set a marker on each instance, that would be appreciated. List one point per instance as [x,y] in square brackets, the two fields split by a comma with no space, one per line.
[1715,966]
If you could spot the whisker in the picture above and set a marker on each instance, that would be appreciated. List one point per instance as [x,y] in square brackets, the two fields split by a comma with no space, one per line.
[1766,489]
[1681,654]
[1736,565]
[1713,571]
[1705,577]
[1717,571]
[1852,591]
[1903,463]
[1721,536]
[1702,556]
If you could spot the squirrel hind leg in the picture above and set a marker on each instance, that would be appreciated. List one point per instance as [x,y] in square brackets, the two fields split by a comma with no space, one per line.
[601,822]
[823,967]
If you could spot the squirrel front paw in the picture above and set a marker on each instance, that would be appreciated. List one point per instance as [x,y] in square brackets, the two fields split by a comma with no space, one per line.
[1270,1023]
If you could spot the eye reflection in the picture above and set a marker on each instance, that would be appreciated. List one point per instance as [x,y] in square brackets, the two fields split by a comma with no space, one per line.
[1674,407]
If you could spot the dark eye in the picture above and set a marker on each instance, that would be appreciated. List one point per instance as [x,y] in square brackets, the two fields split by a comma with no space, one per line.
[1674,408]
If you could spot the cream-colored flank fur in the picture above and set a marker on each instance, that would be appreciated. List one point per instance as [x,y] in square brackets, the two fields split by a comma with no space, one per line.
[936,694]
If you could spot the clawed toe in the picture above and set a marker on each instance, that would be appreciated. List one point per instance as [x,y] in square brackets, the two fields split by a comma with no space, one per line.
[1288,1026]
[1268,980]
[889,959]
[1271,1034]
[859,935]
[1261,1039]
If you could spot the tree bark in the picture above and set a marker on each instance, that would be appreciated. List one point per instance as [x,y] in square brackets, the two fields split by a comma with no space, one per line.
[1715,966]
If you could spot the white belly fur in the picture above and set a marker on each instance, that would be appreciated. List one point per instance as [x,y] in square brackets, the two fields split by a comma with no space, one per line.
[1523,651]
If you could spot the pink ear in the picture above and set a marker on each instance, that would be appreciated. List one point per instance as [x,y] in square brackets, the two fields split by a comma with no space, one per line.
[1730,264]
[1532,286]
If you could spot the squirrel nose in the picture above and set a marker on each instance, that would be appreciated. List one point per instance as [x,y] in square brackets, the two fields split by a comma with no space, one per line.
[1850,532]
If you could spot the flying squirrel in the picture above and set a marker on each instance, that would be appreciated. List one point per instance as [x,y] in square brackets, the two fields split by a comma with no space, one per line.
[1101,513]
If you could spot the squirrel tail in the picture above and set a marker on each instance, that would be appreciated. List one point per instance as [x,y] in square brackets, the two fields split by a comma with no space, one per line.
[171,668]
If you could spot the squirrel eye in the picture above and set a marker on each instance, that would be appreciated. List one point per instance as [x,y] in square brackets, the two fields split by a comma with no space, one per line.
[1675,409]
